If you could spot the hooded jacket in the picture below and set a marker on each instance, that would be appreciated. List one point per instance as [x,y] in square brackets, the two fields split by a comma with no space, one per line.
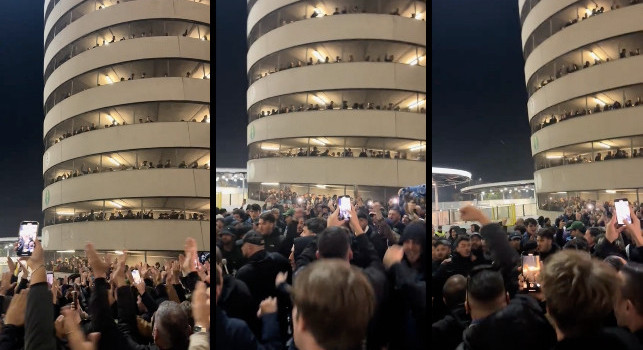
[447,333]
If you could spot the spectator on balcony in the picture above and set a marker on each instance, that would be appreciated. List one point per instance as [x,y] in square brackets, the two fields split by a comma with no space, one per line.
[598,157]
[623,54]
[182,165]
[315,152]
[194,165]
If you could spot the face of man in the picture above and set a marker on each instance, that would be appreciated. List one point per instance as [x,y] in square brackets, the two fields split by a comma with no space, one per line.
[515,244]
[412,250]
[442,252]
[473,229]
[476,242]
[300,225]
[219,225]
[265,227]
[440,228]
[306,232]
[226,239]
[236,217]
[394,216]
[590,239]
[532,229]
[299,213]
[254,214]
[577,233]
[464,248]
[288,220]
[544,244]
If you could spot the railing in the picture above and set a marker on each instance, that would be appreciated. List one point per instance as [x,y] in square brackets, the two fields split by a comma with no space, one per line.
[497,213]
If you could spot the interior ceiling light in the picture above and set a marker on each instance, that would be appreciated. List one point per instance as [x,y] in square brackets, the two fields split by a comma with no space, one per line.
[109,80]
[418,16]
[270,183]
[416,148]
[319,99]
[319,11]
[554,157]
[416,104]
[116,204]
[318,55]
[270,148]
[594,56]
[604,145]
[415,61]
[111,119]
[610,191]
[600,102]
[114,161]
[319,142]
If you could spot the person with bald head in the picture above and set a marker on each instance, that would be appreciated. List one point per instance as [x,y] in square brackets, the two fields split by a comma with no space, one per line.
[447,332]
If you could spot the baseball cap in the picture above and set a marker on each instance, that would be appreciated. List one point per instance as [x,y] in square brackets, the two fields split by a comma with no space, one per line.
[289,212]
[228,231]
[515,235]
[576,225]
[252,237]
[475,234]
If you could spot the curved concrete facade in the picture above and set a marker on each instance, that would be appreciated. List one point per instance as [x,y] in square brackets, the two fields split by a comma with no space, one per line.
[591,150]
[397,88]
[67,201]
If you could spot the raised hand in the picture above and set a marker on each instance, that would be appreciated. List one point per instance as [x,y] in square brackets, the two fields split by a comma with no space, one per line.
[267,306]
[333,219]
[393,255]
[189,263]
[5,284]
[200,307]
[97,264]
[75,336]
[16,312]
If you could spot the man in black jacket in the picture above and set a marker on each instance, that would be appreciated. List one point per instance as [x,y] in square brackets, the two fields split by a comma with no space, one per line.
[447,333]
[261,270]
[494,317]
[628,307]
[273,239]
[460,264]
[546,245]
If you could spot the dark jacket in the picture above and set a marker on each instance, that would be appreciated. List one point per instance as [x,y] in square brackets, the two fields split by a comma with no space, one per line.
[380,243]
[39,330]
[606,338]
[260,272]
[406,309]
[276,243]
[446,334]
[236,300]
[301,243]
[554,249]
[520,325]
[234,258]
[232,333]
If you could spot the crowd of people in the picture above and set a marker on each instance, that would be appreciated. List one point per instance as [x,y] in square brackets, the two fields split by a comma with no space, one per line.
[587,158]
[314,278]
[332,106]
[100,215]
[556,118]
[346,153]
[103,306]
[92,127]
[143,166]
[573,284]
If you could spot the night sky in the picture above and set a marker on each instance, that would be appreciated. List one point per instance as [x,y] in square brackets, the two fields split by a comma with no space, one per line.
[21,68]
[231,84]
[479,108]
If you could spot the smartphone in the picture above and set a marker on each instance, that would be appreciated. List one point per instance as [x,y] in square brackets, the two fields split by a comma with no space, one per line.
[530,272]
[27,238]
[622,211]
[345,207]
[74,295]
[137,276]
[50,278]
